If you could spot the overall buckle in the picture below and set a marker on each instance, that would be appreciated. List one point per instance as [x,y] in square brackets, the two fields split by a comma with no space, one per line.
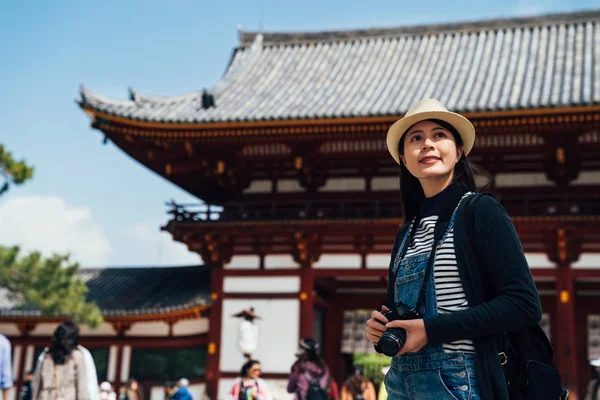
[503,358]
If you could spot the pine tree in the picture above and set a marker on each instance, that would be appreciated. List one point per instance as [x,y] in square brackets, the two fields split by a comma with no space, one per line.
[50,285]
[12,172]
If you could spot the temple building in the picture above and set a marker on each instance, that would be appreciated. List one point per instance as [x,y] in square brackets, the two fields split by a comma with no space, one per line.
[298,198]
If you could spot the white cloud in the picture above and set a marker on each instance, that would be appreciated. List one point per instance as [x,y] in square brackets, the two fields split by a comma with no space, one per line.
[49,225]
[154,247]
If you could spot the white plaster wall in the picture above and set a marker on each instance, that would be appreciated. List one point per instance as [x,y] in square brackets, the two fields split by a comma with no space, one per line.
[385,183]
[126,363]
[16,361]
[259,186]
[588,261]
[157,393]
[378,261]
[278,389]
[45,329]
[111,370]
[278,334]
[224,385]
[289,185]
[522,179]
[9,330]
[342,185]
[280,262]
[243,262]
[191,327]
[538,260]
[103,330]
[28,359]
[196,390]
[250,284]
[149,329]
[341,261]
[587,178]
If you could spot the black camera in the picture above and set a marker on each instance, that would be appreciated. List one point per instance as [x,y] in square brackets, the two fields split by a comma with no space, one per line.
[393,339]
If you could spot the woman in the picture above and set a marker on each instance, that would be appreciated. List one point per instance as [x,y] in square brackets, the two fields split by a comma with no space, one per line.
[250,385]
[449,351]
[310,371]
[357,387]
[61,374]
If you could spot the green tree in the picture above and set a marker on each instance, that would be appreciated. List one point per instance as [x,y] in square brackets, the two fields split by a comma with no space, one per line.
[12,172]
[49,284]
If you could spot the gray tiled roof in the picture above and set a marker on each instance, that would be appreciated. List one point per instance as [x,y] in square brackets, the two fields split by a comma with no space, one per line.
[527,63]
[135,291]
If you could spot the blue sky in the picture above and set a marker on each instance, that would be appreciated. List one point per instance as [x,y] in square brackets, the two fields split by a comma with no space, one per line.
[93,200]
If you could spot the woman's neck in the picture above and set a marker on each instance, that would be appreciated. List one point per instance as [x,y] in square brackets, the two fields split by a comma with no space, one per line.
[433,186]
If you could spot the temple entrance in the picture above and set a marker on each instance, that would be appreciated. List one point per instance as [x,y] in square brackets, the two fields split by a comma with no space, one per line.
[342,306]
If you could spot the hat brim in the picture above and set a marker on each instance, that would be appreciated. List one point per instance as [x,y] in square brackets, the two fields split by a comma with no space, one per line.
[461,124]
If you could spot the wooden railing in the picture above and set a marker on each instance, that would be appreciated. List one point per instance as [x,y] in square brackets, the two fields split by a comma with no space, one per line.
[345,207]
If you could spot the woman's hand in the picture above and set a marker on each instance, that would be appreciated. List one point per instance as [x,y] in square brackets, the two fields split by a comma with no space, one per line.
[375,325]
[416,335]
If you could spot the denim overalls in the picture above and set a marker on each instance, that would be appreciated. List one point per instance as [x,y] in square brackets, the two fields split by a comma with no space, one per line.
[430,374]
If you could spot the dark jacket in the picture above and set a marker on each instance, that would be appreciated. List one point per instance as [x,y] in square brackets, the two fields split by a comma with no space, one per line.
[497,283]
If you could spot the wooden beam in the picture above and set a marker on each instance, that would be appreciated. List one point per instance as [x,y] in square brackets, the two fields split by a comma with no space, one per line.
[306,302]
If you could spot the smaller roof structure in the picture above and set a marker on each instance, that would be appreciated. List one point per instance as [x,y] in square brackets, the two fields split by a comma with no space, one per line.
[134,291]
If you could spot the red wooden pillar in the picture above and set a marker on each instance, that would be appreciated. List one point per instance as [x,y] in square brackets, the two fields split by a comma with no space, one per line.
[119,366]
[213,364]
[565,348]
[306,302]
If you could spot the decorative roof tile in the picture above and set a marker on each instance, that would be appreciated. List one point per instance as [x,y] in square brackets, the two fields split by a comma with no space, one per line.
[525,63]
[135,291]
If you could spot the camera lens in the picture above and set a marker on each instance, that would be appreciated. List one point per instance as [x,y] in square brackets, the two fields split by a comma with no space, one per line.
[392,341]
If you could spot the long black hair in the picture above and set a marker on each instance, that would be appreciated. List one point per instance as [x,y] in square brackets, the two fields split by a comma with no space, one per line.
[246,367]
[411,191]
[64,341]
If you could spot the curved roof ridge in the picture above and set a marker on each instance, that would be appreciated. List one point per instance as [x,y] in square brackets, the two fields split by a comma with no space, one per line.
[290,38]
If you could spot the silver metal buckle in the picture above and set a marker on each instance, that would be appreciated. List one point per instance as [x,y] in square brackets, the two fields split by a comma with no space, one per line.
[504,358]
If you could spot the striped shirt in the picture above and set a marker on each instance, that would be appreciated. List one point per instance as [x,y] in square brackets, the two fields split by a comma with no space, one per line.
[450,294]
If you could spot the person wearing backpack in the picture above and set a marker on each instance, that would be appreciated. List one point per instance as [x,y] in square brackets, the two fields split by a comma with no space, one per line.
[249,386]
[310,378]
[462,308]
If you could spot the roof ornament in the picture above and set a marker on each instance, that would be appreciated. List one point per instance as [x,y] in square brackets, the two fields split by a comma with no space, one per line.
[240,31]
[132,94]
[208,100]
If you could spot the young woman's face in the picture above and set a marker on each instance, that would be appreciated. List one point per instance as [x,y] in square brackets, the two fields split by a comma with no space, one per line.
[430,151]
[254,371]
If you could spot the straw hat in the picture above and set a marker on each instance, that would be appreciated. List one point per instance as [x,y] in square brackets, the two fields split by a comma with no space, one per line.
[430,109]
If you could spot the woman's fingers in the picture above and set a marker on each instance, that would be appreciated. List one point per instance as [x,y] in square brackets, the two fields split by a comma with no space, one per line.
[379,316]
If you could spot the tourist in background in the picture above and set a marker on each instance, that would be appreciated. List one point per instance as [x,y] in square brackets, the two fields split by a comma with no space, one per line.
[249,385]
[357,387]
[106,392]
[61,373]
[309,368]
[25,393]
[6,381]
[132,391]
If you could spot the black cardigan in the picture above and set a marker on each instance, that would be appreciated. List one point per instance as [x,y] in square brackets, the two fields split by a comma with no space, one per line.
[497,283]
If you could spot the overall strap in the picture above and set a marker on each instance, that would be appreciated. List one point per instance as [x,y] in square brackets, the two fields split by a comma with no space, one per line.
[436,245]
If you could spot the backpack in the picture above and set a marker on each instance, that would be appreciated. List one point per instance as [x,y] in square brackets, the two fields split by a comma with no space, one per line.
[315,391]
[526,355]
